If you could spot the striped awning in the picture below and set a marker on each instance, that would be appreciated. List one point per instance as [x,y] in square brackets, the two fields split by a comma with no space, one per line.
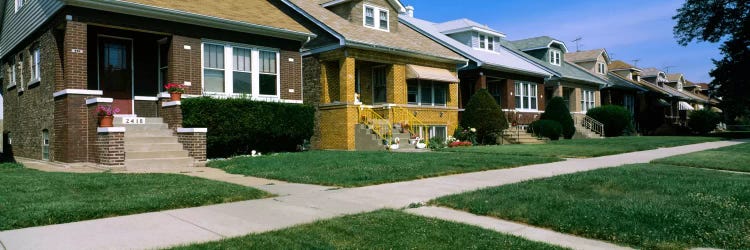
[685,106]
[429,73]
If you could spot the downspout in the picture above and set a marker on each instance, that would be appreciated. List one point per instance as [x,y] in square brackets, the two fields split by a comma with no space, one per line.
[302,71]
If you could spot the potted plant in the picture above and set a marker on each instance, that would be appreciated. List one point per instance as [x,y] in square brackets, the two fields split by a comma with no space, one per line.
[175,91]
[106,113]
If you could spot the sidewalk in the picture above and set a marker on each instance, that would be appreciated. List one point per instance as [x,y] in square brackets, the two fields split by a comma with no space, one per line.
[200,224]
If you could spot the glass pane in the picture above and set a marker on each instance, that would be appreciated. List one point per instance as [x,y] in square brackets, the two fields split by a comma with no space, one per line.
[213,80]
[525,102]
[383,20]
[518,89]
[369,17]
[241,59]
[213,56]
[267,84]
[440,94]
[481,41]
[242,82]
[426,94]
[440,132]
[268,62]
[412,89]
[163,55]
[490,43]
[533,102]
[378,81]
[518,102]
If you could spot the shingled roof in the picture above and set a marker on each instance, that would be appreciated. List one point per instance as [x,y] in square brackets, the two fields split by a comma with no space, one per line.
[566,70]
[586,56]
[536,43]
[620,65]
[404,39]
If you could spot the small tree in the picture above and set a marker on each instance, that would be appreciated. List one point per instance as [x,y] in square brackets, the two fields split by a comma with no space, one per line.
[485,115]
[557,111]
[616,119]
[703,121]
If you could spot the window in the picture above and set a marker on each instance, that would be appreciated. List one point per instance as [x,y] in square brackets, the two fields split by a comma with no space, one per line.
[487,42]
[426,93]
[496,92]
[629,103]
[163,63]
[36,75]
[19,4]
[45,145]
[482,41]
[587,100]
[234,69]
[526,96]
[601,68]
[19,64]
[490,43]
[378,85]
[371,19]
[428,132]
[554,57]
[357,83]
[12,69]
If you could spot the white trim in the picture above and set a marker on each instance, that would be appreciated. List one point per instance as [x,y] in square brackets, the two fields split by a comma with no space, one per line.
[77,92]
[172,103]
[473,28]
[11,86]
[554,57]
[145,98]
[376,17]
[124,115]
[110,129]
[99,100]
[192,130]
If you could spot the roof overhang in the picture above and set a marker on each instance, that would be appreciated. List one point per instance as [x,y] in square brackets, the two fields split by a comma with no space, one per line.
[474,28]
[143,10]
[562,45]
[403,52]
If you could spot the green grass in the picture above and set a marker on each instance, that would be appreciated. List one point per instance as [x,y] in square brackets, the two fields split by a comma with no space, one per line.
[33,198]
[647,206]
[581,148]
[342,168]
[735,158]
[383,229]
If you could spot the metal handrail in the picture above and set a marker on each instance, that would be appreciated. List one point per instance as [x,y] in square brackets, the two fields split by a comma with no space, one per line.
[379,125]
[405,116]
[592,124]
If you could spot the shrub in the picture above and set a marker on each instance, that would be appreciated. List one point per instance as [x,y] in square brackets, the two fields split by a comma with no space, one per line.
[616,119]
[556,110]
[238,126]
[546,128]
[703,121]
[436,143]
[462,134]
[483,114]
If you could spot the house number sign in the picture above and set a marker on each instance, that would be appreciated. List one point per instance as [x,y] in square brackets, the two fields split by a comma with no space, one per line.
[133,120]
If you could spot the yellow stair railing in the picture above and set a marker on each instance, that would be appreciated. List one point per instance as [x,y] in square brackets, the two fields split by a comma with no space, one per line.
[379,125]
[404,116]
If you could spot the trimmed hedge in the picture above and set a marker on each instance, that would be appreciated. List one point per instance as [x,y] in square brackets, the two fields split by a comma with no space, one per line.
[547,128]
[238,126]
[483,113]
[616,119]
[556,110]
[703,121]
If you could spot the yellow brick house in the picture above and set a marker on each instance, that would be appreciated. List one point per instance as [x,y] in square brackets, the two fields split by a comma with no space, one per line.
[373,79]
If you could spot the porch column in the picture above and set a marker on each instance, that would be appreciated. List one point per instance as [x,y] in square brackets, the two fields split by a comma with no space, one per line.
[346,79]
[481,82]
[75,56]
[396,84]
[510,100]
[575,103]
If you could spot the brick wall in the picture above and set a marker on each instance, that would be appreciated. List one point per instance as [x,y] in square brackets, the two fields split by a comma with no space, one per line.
[111,149]
[172,116]
[185,64]
[146,108]
[195,144]
[75,63]
[335,127]
[311,75]
[291,78]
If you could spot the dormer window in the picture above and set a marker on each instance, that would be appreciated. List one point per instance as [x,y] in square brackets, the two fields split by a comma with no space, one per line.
[376,18]
[601,68]
[482,41]
[554,57]
[486,42]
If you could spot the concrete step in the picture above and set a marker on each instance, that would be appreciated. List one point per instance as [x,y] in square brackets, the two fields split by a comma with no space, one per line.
[158,163]
[149,120]
[143,127]
[132,155]
[149,133]
[152,139]
[140,147]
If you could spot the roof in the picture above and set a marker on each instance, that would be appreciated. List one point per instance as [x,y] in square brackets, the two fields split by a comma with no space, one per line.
[260,12]
[621,82]
[404,40]
[537,43]
[566,70]
[464,24]
[650,72]
[620,65]
[400,7]
[703,86]
[674,77]
[586,56]
[502,58]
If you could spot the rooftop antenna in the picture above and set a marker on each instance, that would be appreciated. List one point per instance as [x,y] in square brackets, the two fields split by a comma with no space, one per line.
[635,62]
[577,41]
[666,68]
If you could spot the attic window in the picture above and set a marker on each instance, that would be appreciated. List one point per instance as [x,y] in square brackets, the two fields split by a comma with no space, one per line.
[601,68]
[554,57]
[486,42]
[376,16]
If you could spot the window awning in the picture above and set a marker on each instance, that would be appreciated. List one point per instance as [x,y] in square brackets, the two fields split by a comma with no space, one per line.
[685,106]
[429,73]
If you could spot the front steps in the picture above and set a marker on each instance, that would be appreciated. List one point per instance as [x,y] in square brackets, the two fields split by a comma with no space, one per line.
[366,140]
[152,146]
[518,135]
[585,133]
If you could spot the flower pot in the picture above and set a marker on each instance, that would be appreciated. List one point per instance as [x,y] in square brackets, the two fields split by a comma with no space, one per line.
[106,121]
[175,96]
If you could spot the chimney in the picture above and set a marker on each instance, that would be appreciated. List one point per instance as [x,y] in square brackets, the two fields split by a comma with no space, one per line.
[410,10]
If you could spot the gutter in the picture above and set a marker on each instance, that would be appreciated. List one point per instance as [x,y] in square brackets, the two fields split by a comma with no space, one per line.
[404,52]
[342,40]
[189,18]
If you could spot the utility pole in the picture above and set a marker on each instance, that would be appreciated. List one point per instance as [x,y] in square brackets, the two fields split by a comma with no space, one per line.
[635,62]
[577,41]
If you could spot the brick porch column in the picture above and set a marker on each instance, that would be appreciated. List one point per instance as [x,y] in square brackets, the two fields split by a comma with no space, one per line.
[193,140]
[110,143]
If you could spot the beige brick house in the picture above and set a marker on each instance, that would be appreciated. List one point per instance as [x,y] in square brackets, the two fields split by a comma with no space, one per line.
[378,80]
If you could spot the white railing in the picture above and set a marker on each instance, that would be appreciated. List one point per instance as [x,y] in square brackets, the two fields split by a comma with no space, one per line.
[592,124]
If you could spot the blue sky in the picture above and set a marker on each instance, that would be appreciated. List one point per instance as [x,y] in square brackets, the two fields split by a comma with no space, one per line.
[629,30]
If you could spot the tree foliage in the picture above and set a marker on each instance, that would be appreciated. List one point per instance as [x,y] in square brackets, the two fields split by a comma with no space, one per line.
[485,115]
[556,110]
[726,21]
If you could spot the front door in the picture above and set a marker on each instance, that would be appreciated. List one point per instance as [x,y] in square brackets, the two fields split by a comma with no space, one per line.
[116,72]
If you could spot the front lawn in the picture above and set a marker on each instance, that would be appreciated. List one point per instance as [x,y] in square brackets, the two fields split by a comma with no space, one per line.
[384,229]
[33,198]
[646,206]
[343,168]
[589,147]
[735,158]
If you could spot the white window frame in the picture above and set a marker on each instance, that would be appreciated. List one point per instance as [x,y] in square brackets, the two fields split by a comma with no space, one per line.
[376,17]
[601,68]
[13,69]
[35,65]
[526,89]
[486,42]
[554,57]
[229,69]
[18,5]
[19,64]
[482,41]
[432,93]
[588,100]
[629,102]
[430,130]
[45,145]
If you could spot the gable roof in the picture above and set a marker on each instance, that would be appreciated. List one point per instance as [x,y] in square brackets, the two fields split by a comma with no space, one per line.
[674,77]
[537,43]
[502,59]
[620,65]
[621,82]
[651,72]
[587,55]
[405,40]
[463,24]
[566,70]
[396,3]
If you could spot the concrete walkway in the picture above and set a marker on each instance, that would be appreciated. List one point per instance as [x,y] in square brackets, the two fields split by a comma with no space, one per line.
[200,224]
